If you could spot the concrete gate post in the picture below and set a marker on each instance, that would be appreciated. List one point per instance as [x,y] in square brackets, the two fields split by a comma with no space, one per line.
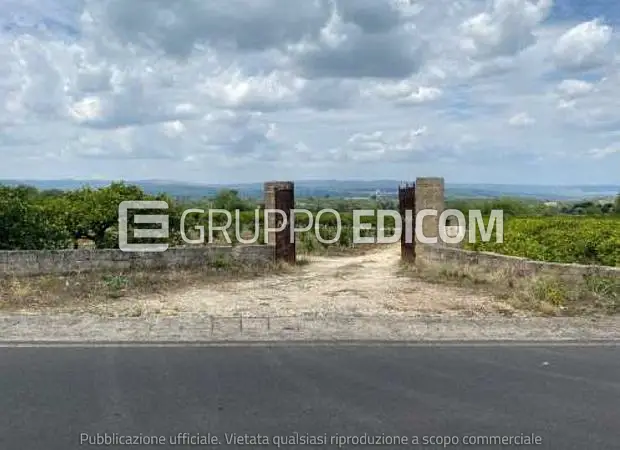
[430,194]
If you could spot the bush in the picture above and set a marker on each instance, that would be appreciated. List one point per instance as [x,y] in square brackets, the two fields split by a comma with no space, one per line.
[583,240]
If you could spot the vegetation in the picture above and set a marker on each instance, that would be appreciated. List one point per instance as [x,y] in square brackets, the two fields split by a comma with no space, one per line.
[582,232]
[545,295]
[95,292]
[520,207]
[31,219]
[584,240]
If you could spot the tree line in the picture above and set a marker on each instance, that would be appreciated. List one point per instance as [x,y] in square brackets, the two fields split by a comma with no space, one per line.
[32,219]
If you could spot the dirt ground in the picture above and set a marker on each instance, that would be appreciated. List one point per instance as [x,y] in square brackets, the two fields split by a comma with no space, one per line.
[360,285]
[354,297]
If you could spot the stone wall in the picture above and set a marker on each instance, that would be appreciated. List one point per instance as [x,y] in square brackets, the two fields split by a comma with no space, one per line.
[41,262]
[520,266]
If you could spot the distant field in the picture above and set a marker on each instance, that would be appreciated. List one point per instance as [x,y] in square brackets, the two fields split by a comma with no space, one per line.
[584,240]
[338,188]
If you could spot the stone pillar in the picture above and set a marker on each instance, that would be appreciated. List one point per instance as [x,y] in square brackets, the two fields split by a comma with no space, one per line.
[430,194]
[280,195]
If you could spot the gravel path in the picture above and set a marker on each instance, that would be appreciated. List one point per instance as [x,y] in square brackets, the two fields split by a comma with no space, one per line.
[367,285]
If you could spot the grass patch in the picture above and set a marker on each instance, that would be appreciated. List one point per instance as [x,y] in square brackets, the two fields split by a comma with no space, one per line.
[541,294]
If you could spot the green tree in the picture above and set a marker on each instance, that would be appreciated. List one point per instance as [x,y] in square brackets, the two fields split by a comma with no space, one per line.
[229,200]
[90,213]
[25,223]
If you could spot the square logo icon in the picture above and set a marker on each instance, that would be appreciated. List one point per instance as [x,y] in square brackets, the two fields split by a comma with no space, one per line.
[160,233]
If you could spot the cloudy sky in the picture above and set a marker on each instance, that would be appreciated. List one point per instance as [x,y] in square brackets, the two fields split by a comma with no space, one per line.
[501,91]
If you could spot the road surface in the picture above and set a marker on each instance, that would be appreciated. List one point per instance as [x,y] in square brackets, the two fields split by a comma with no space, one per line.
[560,396]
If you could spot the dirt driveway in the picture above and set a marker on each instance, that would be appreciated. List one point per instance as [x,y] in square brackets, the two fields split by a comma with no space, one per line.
[367,284]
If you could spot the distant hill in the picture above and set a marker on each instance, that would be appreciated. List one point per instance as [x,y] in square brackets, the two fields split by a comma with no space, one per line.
[342,188]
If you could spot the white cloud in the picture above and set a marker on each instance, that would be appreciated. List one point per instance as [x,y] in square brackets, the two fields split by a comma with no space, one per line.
[404,92]
[234,90]
[173,128]
[381,146]
[574,88]
[582,46]
[601,153]
[423,94]
[362,45]
[521,120]
[505,29]
[207,90]
[88,109]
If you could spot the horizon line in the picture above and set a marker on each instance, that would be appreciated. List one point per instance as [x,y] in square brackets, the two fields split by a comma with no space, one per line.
[203,184]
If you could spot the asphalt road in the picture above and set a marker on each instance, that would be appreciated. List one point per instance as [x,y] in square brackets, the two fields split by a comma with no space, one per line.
[561,397]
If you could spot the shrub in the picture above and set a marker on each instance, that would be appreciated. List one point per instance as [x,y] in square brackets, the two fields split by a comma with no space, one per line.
[583,240]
